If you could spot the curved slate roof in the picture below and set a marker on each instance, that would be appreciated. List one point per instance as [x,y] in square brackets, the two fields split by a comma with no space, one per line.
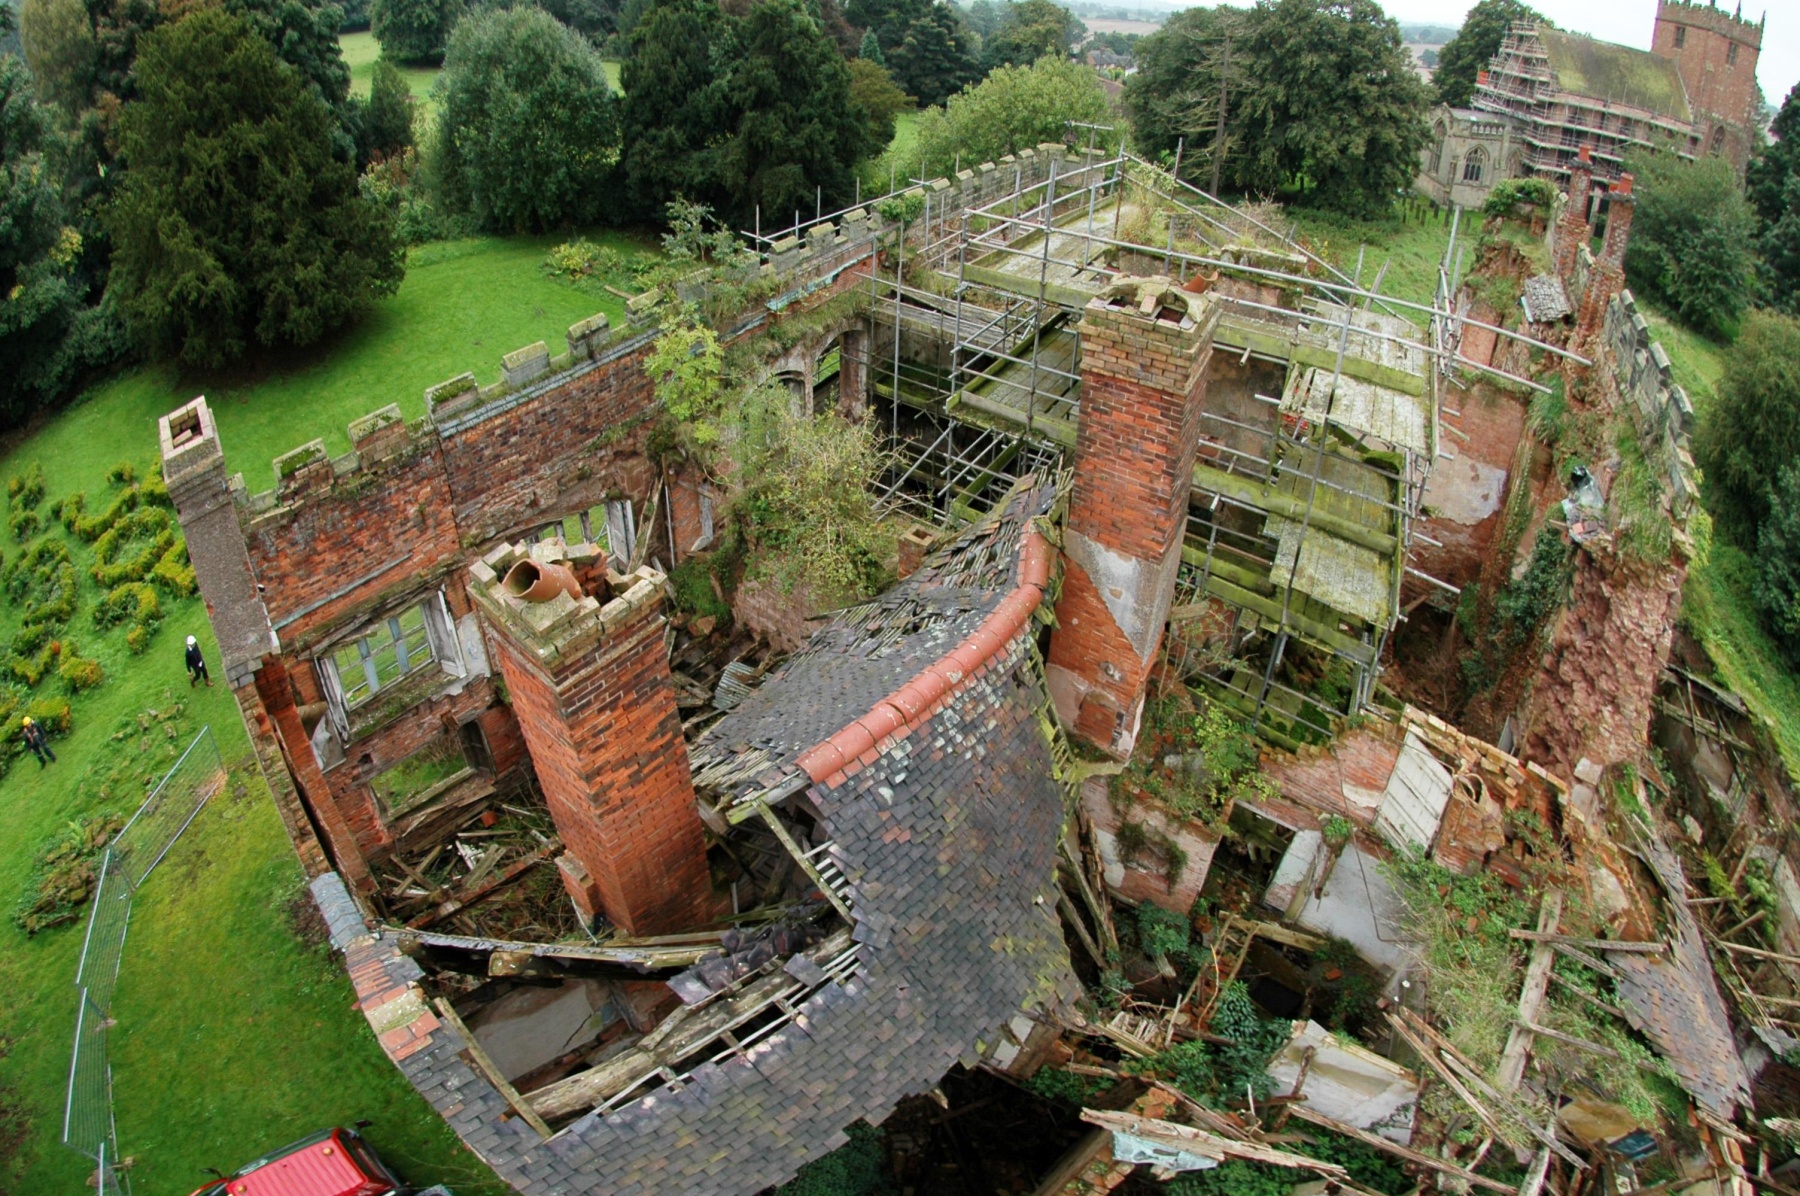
[947,838]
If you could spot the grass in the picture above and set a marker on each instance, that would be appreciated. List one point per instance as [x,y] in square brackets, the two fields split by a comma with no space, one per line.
[362,51]
[1412,246]
[1695,361]
[463,305]
[612,76]
[234,1033]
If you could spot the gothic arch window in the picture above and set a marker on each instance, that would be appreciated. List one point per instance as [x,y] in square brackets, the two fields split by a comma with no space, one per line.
[1475,165]
[1718,141]
[1731,54]
[1437,149]
[1680,36]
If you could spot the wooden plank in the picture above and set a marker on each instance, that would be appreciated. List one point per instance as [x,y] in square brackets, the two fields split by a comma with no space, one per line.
[1580,1044]
[1641,947]
[1441,1166]
[1531,996]
[1533,1183]
[1758,952]
[464,900]
[1212,1146]
[781,832]
[486,1067]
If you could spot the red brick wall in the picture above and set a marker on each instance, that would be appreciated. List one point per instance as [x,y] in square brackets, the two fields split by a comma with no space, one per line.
[556,452]
[277,697]
[1142,390]
[606,739]
[1714,84]
[335,531]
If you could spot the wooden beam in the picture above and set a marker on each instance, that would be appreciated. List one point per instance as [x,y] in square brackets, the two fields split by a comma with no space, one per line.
[1080,927]
[1533,1183]
[787,840]
[1212,1146]
[1563,940]
[483,1064]
[1531,996]
[1570,987]
[1441,1166]
[1583,958]
[463,900]
[1580,1044]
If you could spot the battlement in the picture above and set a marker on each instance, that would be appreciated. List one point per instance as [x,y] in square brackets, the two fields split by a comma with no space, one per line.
[1695,15]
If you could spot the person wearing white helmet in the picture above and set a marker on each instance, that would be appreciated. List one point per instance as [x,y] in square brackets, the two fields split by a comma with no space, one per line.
[196,664]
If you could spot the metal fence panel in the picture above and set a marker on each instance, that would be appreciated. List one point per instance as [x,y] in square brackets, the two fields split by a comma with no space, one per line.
[127,862]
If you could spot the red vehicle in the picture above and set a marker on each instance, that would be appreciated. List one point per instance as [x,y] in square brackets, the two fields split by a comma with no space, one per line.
[335,1162]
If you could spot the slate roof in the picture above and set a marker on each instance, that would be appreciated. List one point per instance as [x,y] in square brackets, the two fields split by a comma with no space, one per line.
[948,844]
[1586,66]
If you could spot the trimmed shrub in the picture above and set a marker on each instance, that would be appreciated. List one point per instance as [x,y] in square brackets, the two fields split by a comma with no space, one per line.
[56,589]
[31,669]
[91,528]
[27,489]
[146,535]
[56,714]
[25,524]
[137,639]
[129,602]
[79,673]
[173,574]
[122,474]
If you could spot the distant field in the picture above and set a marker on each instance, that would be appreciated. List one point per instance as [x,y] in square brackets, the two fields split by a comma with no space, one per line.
[1104,25]
[361,51]
[612,76]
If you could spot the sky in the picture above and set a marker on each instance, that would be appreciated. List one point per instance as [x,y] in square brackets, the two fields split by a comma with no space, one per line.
[1628,22]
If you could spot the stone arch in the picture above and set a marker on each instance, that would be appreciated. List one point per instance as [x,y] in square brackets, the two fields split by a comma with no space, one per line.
[1475,166]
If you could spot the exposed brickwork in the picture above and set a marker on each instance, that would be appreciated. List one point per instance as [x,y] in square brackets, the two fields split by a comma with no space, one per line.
[1607,278]
[1145,348]
[1345,776]
[596,704]
[1572,231]
[276,698]
[1717,59]
[785,619]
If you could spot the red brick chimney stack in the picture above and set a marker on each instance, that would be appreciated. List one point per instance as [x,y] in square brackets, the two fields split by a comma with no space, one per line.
[1608,277]
[590,682]
[1574,230]
[1145,347]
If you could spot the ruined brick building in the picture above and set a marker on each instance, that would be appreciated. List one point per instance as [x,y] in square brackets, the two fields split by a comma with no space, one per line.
[1104,451]
[1547,94]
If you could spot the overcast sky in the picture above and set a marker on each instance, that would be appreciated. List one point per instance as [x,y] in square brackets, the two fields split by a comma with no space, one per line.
[1629,22]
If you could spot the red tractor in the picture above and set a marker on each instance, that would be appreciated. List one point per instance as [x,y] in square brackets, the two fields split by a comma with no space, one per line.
[335,1162]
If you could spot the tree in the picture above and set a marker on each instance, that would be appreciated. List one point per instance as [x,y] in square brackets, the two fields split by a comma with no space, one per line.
[413,30]
[675,103]
[527,133]
[305,36]
[1015,107]
[875,96]
[386,127]
[870,50]
[1474,46]
[1692,239]
[1331,104]
[739,112]
[1030,30]
[1752,429]
[1174,93]
[933,59]
[1775,586]
[1772,186]
[887,19]
[235,226]
[38,303]
[60,46]
[797,138]
[595,20]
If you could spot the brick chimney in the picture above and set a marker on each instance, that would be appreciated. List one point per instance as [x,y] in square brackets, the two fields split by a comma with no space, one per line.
[589,679]
[1145,347]
[1573,232]
[1608,277]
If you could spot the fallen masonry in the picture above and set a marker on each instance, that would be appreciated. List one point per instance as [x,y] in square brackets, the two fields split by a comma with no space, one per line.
[1248,773]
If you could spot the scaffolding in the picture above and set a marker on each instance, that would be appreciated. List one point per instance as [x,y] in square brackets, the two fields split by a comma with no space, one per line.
[1304,497]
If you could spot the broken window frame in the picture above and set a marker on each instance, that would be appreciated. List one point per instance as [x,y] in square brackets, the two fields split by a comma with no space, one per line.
[442,647]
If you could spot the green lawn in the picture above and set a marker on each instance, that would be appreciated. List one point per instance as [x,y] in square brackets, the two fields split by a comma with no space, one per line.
[463,305]
[362,51]
[1411,249]
[612,76]
[233,1033]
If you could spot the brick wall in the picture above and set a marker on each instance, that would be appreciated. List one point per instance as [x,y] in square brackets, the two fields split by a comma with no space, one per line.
[596,705]
[1142,389]
[1720,83]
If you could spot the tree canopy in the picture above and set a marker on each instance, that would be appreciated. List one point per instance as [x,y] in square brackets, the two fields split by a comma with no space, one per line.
[1752,429]
[1773,188]
[413,30]
[1333,105]
[1467,54]
[1030,30]
[236,226]
[527,133]
[736,112]
[875,95]
[1174,93]
[933,59]
[1015,107]
[1692,239]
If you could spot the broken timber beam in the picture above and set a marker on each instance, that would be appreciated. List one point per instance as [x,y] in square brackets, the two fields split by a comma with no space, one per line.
[787,840]
[479,1058]
[463,900]
[681,1033]
[1537,979]
[1580,1044]
[1212,1146]
[1645,947]
[1441,1166]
